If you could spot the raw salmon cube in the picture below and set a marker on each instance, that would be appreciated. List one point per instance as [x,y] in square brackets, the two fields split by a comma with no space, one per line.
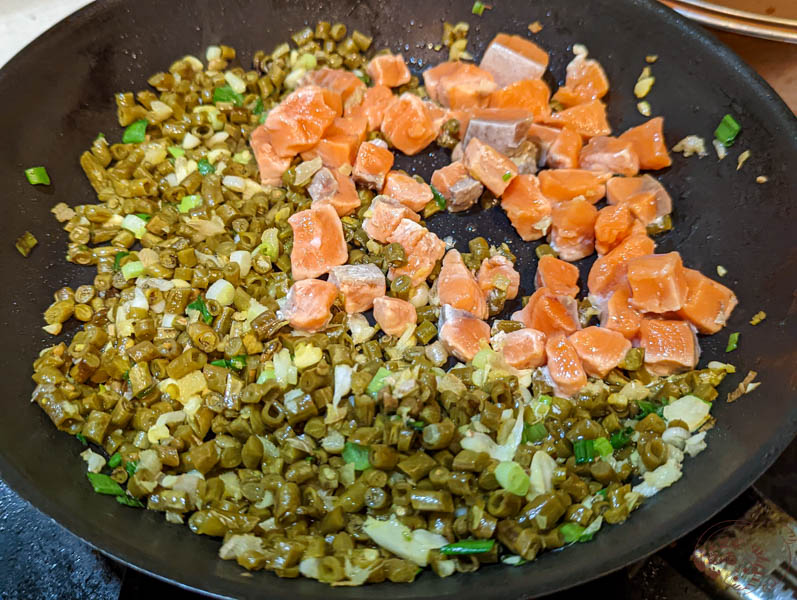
[422,248]
[333,100]
[498,272]
[457,287]
[604,153]
[334,152]
[599,349]
[345,83]
[559,148]
[299,121]
[658,283]
[459,189]
[269,163]
[376,101]
[649,144]
[561,185]
[609,271]
[385,214]
[359,285]
[557,275]
[408,125]
[618,315]
[411,193]
[524,348]
[355,126]
[308,303]
[708,303]
[394,315]
[588,119]
[459,85]
[333,187]
[389,70]
[462,334]
[644,195]
[510,58]
[504,129]
[670,346]
[564,366]
[489,166]
[573,229]
[318,242]
[613,225]
[372,165]
[585,80]
[527,207]
[549,312]
[532,95]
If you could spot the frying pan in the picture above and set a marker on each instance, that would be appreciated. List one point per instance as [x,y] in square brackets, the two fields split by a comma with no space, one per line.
[57,94]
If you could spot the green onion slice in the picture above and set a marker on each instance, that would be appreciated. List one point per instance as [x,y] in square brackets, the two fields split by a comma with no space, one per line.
[584,451]
[439,198]
[204,166]
[176,151]
[512,478]
[377,382]
[199,304]
[115,460]
[131,467]
[188,203]
[37,176]
[136,132]
[226,94]
[571,532]
[507,176]
[534,433]
[478,8]
[82,439]
[357,455]
[620,439]
[117,259]
[733,342]
[468,547]
[129,501]
[103,484]
[727,130]
[603,446]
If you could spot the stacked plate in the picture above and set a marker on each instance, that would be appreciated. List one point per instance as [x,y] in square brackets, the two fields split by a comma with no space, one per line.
[770,19]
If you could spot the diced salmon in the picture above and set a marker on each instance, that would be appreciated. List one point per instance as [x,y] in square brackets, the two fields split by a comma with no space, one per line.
[355,126]
[439,115]
[585,81]
[421,247]
[572,232]
[670,346]
[460,190]
[389,70]
[531,95]
[411,193]
[649,144]
[524,314]
[372,165]
[318,242]
[557,275]
[345,83]
[333,187]
[394,315]
[561,185]
[549,312]
[457,287]
[359,285]
[560,147]
[528,209]
[588,119]
[376,101]
[708,304]
[498,272]
[504,129]
[408,125]
[524,348]
[385,214]
[269,163]
[433,78]
[618,315]
[308,303]
[489,166]
[510,58]
[564,366]
[459,85]
[613,225]
[462,334]
[334,153]
[599,349]
[333,100]
[645,196]
[658,283]
[604,153]
[298,122]
[609,270]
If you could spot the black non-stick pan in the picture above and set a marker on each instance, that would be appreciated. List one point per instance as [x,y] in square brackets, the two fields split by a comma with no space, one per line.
[57,94]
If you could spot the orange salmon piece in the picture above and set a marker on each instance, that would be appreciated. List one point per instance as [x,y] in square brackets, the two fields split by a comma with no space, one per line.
[549,312]
[269,163]
[572,232]
[334,152]
[645,196]
[376,101]
[333,187]
[599,349]
[524,348]
[457,287]
[670,346]
[459,189]
[560,147]
[385,214]
[485,164]
[459,85]
[614,224]
[658,283]
[389,70]
[308,304]
[618,315]
[372,165]
[318,242]
[588,119]
[585,80]
[609,270]
[394,314]
[359,285]
[498,272]
[557,275]
[408,125]
[648,142]
[297,123]
[345,83]
[604,153]
[531,95]
[528,209]
[510,58]
[421,247]
[411,193]
[708,304]
[462,334]
[355,126]
[564,366]
[561,185]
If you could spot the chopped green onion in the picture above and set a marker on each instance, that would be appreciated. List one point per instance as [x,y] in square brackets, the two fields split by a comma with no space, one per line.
[133,269]
[478,8]
[25,243]
[357,455]
[620,439]
[417,425]
[603,492]
[534,433]
[603,446]
[136,132]
[507,176]
[468,547]
[131,467]
[188,203]
[512,477]
[263,117]
[584,451]
[37,176]
[129,501]
[266,375]
[115,460]
[571,532]
[377,382]
[727,130]
[226,94]
[144,216]
[733,342]
[135,224]
[204,166]
[259,108]
[103,484]
[439,198]
[82,439]
[236,362]
[545,399]
[645,408]
[199,304]
[176,151]
[117,259]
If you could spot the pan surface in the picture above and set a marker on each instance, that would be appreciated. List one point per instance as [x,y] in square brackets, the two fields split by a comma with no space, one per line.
[57,94]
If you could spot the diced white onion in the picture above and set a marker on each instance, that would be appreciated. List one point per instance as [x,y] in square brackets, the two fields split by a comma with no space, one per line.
[218,138]
[237,84]
[190,141]
[212,53]
[243,258]
[160,110]
[234,183]
[222,291]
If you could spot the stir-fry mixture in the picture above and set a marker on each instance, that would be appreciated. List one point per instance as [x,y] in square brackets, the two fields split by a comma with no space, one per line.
[277,352]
